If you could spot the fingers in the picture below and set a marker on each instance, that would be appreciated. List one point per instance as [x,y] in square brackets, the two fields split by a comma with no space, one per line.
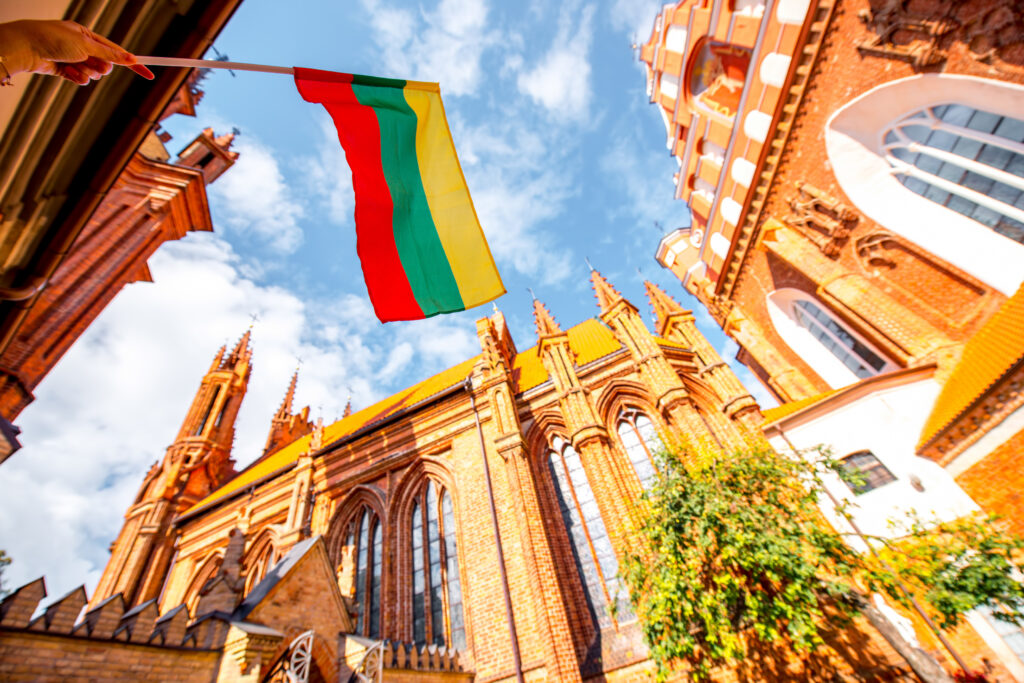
[142,71]
[111,51]
[97,67]
[71,72]
[81,73]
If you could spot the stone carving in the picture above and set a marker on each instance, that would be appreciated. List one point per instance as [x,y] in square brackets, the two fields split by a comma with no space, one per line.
[824,219]
[871,248]
[900,33]
[892,17]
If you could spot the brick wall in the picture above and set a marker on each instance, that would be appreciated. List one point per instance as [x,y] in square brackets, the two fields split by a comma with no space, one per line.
[44,657]
[996,482]
[917,283]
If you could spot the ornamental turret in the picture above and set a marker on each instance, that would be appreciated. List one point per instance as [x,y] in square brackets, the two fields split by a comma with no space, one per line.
[675,323]
[286,426]
[196,463]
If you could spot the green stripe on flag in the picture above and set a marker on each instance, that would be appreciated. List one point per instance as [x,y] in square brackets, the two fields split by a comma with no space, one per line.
[419,247]
[358,79]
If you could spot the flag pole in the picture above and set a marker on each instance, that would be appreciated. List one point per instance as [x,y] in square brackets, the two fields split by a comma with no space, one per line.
[214,64]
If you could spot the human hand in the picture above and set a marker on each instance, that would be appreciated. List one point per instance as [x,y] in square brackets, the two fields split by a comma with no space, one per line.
[62,48]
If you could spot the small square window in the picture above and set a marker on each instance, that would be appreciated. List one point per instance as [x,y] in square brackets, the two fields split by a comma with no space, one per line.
[868,471]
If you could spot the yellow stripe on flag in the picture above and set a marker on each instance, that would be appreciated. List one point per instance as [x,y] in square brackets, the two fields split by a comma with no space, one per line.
[448,197]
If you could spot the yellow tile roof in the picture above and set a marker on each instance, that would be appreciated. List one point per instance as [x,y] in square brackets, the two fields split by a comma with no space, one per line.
[787,409]
[988,356]
[591,340]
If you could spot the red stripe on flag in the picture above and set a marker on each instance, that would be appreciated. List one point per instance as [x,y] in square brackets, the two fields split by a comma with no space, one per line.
[359,134]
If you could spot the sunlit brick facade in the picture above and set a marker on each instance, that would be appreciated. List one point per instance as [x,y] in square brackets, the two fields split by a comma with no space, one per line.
[391,505]
[855,174]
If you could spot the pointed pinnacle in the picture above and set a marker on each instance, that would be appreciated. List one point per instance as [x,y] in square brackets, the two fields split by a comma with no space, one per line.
[546,325]
[224,141]
[241,349]
[607,296]
[348,408]
[289,397]
[219,357]
[662,303]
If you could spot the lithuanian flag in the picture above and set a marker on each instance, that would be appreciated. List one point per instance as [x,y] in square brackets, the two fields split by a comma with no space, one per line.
[418,237]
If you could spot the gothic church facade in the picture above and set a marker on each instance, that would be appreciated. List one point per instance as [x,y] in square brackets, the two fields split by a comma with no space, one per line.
[855,173]
[398,492]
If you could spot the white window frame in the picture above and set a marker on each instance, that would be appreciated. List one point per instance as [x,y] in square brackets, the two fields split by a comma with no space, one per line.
[926,118]
[782,307]
[855,142]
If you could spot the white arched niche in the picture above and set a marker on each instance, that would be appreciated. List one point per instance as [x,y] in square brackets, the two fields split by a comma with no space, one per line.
[839,355]
[854,140]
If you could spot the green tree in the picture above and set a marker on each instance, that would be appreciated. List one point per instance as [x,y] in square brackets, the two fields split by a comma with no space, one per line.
[734,551]
[4,561]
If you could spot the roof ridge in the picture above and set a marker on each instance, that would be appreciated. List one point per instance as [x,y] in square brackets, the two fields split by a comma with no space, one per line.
[987,358]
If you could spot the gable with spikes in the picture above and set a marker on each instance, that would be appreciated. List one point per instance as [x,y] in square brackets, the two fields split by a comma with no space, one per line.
[287,426]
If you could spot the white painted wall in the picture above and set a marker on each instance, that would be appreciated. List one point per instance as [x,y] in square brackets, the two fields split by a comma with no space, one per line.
[887,423]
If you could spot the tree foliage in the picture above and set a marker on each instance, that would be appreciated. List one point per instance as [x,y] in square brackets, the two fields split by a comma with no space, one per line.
[734,550]
[4,561]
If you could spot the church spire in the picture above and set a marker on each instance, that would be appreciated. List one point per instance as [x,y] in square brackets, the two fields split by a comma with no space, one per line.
[546,325]
[286,426]
[241,352]
[607,296]
[218,358]
[289,397]
[663,305]
[196,463]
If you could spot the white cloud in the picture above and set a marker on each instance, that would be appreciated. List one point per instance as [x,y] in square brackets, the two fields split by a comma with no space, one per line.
[253,197]
[519,181]
[330,176]
[638,178]
[560,81]
[634,17]
[445,45]
[117,398]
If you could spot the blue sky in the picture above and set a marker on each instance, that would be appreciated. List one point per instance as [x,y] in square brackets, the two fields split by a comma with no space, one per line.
[565,159]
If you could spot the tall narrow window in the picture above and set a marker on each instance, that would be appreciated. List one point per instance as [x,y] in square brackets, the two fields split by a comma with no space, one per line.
[364,536]
[640,439]
[206,414]
[258,566]
[591,548]
[966,159]
[853,353]
[436,589]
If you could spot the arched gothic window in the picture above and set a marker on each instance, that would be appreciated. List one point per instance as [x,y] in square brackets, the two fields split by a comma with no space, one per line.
[834,336]
[966,159]
[436,589]
[838,354]
[364,536]
[591,548]
[640,439]
[262,560]
[207,570]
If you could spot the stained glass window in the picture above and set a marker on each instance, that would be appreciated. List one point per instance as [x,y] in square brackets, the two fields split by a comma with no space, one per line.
[365,537]
[592,550]
[640,439]
[437,591]
[853,353]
